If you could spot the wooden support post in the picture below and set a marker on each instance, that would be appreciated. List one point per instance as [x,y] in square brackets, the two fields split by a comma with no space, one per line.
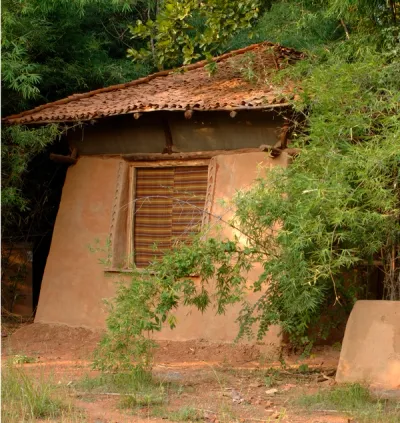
[275,152]
[188,114]
[169,143]
[59,158]
[283,138]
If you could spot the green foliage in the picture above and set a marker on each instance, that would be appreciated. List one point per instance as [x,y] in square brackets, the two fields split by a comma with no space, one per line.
[303,368]
[337,205]
[123,383]
[51,49]
[23,399]
[22,359]
[19,146]
[185,414]
[148,301]
[137,387]
[55,48]
[270,380]
[181,32]
[142,400]
[18,74]
[292,24]
[382,12]
[185,31]
[354,400]
[129,319]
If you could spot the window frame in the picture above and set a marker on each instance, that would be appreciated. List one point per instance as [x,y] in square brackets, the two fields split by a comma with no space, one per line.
[130,175]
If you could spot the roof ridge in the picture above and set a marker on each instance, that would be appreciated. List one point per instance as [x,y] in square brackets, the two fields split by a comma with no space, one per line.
[148,78]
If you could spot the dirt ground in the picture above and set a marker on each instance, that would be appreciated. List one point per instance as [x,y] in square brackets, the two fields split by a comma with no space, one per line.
[225,382]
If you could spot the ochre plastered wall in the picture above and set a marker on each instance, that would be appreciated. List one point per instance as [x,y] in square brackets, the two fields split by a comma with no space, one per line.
[75,284]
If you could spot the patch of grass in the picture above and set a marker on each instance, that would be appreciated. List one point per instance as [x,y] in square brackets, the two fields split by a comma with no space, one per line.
[186,414]
[226,413]
[271,377]
[138,388]
[269,381]
[356,401]
[159,411]
[141,399]
[183,414]
[303,368]
[25,399]
[22,359]
[279,417]
[123,383]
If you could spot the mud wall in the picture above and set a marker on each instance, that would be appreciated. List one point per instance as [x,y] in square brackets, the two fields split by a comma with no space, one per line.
[75,284]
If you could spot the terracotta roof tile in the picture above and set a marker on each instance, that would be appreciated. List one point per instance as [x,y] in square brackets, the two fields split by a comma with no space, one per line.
[189,87]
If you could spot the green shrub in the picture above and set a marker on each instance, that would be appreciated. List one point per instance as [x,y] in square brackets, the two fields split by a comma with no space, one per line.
[25,399]
[354,400]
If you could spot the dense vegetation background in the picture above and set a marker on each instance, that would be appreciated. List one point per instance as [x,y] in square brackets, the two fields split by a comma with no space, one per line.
[338,204]
[51,49]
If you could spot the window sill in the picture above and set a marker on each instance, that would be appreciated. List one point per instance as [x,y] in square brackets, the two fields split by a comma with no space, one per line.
[117,270]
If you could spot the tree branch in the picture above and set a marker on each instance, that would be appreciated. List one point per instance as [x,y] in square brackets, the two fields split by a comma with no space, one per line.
[346,31]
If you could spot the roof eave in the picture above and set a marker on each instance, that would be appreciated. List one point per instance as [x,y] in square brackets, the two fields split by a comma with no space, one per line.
[22,121]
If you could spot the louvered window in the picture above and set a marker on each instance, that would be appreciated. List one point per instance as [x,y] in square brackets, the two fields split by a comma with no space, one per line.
[169,206]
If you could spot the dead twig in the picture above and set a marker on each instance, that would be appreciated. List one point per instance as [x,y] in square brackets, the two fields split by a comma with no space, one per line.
[346,31]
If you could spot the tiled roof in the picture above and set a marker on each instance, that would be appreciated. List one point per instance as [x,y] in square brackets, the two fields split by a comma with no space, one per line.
[189,87]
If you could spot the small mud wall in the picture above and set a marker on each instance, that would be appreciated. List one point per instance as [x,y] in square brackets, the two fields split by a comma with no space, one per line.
[371,345]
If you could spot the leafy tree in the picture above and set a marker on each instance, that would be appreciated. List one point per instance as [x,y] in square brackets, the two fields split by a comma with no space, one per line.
[52,48]
[192,29]
[19,147]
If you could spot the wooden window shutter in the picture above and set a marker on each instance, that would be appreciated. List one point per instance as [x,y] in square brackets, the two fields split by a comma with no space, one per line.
[153,213]
[190,188]
[168,207]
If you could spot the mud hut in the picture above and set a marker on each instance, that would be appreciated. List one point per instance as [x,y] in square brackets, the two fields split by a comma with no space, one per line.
[150,160]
